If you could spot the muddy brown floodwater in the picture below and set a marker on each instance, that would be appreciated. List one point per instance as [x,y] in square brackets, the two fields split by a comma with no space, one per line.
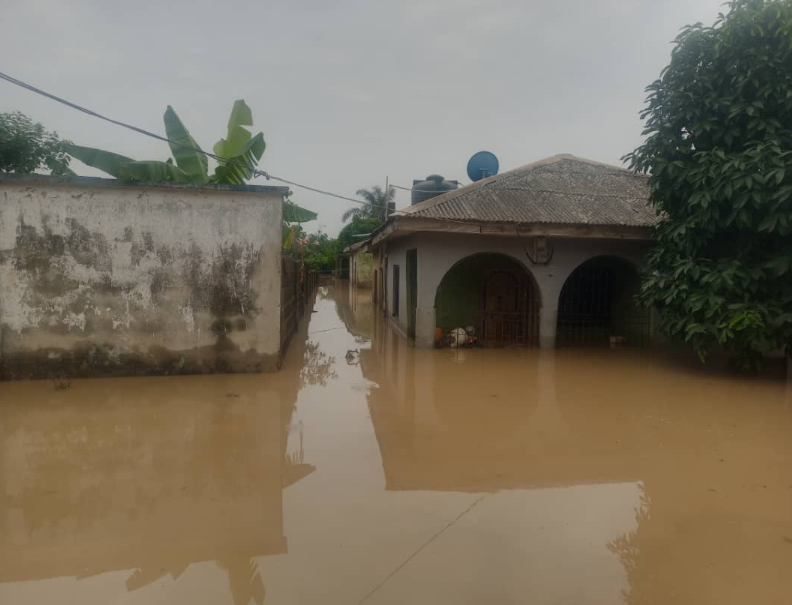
[395,475]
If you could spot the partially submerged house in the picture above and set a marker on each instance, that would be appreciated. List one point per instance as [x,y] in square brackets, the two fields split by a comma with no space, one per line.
[545,254]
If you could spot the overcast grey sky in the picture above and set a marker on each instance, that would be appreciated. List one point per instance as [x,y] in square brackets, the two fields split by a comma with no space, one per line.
[349,92]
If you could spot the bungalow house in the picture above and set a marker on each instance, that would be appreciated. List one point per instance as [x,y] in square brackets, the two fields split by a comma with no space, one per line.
[542,255]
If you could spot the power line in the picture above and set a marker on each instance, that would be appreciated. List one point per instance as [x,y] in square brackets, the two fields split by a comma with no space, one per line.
[147,133]
[255,172]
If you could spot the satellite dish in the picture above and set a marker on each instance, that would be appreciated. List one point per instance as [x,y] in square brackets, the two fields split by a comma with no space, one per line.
[482,165]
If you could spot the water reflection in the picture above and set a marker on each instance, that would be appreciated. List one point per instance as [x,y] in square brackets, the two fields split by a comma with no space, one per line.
[695,460]
[355,309]
[149,476]
[318,366]
[403,475]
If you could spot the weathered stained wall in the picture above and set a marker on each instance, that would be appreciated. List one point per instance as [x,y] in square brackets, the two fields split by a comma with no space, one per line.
[361,269]
[99,277]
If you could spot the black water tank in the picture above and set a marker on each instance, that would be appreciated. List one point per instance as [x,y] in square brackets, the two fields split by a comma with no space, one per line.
[433,185]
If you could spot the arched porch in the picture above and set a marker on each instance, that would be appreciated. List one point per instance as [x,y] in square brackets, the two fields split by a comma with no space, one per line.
[493,294]
[597,305]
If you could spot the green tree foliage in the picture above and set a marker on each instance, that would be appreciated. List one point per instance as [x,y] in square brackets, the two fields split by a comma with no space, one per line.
[320,251]
[293,235]
[317,250]
[377,199]
[360,225]
[241,149]
[719,150]
[26,147]
[293,215]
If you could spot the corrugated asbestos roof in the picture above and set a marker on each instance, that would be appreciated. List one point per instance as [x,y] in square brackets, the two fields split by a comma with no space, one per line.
[357,245]
[562,189]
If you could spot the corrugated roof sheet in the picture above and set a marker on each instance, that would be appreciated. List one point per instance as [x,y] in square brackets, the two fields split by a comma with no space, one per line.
[562,189]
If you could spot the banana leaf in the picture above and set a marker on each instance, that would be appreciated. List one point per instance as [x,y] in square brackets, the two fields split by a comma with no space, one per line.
[106,161]
[292,213]
[240,147]
[237,135]
[154,170]
[287,239]
[240,167]
[241,151]
[184,147]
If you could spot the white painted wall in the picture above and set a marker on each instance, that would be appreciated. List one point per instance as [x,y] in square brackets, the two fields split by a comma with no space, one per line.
[171,277]
[438,252]
[397,255]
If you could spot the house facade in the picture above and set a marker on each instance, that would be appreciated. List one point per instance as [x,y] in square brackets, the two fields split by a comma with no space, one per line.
[543,255]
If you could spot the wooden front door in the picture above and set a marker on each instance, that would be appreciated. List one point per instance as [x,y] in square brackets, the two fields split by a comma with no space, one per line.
[502,318]
[501,293]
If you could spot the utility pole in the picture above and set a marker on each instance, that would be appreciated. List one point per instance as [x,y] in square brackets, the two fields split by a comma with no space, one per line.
[385,210]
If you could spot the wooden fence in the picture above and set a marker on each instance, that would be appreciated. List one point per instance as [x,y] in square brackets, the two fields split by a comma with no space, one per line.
[298,284]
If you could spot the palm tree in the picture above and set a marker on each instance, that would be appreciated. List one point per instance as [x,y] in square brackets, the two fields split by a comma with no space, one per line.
[377,200]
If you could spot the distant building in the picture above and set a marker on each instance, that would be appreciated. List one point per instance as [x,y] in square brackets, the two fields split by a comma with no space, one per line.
[546,254]
[360,264]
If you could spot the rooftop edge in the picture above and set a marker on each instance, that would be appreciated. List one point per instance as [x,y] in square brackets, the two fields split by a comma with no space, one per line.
[40,179]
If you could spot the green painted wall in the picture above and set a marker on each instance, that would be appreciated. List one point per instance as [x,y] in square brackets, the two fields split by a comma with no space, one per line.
[460,295]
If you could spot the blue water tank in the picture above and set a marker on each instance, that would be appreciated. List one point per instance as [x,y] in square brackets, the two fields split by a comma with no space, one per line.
[430,187]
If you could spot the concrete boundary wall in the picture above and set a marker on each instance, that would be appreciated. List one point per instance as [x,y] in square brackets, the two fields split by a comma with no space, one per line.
[100,277]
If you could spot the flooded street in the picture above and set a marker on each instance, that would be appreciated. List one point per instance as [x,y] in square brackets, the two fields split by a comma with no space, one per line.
[394,475]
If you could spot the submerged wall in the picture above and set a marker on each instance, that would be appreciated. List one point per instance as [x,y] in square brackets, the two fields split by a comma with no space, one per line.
[99,277]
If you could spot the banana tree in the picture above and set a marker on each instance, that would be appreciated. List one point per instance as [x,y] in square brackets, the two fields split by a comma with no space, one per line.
[292,213]
[240,152]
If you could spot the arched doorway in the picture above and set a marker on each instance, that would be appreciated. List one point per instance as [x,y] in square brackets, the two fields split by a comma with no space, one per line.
[495,295]
[597,305]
